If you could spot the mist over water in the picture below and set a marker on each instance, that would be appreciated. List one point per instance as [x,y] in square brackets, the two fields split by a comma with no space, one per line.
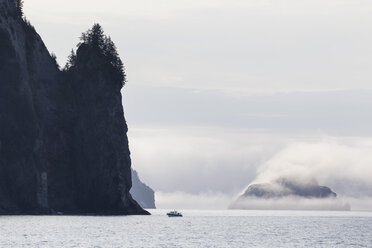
[291,203]
[331,161]
[344,165]
[213,166]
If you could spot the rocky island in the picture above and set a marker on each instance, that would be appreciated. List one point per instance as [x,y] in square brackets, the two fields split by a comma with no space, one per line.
[63,142]
[291,194]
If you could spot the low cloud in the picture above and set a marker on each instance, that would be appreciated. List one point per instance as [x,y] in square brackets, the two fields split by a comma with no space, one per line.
[183,163]
[196,160]
[344,164]
[359,203]
[183,200]
[293,203]
[290,203]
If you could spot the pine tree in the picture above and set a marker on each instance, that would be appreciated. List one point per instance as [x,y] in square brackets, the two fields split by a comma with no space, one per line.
[110,51]
[71,60]
[93,37]
[98,41]
[83,38]
[97,37]
[19,7]
[54,57]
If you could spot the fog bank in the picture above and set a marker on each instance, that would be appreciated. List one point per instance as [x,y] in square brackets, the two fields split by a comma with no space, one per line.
[291,203]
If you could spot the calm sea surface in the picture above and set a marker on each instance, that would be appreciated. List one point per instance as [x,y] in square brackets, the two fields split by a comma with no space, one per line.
[198,228]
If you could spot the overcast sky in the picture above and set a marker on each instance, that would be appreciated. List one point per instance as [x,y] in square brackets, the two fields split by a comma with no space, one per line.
[219,91]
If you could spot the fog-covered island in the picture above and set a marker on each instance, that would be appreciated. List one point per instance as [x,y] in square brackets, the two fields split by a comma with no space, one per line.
[63,142]
[289,194]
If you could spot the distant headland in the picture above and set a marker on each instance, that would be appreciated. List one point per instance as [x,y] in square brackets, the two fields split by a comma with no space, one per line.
[289,194]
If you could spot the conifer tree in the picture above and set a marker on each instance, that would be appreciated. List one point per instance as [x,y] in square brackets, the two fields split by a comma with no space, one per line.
[99,42]
[97,37]
[19,7]
[54,57]
[94,37]
[71,60]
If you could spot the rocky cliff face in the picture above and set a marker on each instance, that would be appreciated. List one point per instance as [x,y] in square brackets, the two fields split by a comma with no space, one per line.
[63,143]
[142,193]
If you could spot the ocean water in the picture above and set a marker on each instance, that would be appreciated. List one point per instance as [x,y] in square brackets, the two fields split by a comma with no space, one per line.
[198,228]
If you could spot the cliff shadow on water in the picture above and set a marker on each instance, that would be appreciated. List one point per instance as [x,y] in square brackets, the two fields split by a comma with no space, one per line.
[63,141]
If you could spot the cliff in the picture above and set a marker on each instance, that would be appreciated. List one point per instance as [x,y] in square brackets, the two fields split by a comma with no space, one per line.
[63,142]
[142,193]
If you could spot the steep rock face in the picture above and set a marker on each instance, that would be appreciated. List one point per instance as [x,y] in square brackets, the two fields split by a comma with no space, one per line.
[27,72]
[63,143]
[142,193]
[100,152]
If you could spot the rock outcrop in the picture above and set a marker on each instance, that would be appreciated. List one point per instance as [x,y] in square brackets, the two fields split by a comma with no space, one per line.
[63,142]
[285,193]
[142,193]
[284,187]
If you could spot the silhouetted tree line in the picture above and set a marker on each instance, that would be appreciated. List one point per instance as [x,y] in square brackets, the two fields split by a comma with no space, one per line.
[19,7]
[99,42]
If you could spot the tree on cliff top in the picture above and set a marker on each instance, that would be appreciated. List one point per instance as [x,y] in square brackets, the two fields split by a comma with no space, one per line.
[99,42]
[94,37]
[71,60]
[19,7]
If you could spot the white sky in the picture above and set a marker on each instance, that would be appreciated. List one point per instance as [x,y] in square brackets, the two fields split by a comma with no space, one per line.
[218,88]
[270,45]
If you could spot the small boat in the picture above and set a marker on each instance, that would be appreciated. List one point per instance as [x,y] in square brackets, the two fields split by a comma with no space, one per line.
[174,213]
